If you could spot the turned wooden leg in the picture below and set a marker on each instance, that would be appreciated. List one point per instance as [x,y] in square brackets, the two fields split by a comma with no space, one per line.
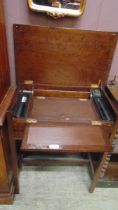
[100,170]
[103,165]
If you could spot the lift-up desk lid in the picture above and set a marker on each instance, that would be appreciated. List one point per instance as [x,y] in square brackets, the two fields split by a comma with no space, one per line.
[60,56]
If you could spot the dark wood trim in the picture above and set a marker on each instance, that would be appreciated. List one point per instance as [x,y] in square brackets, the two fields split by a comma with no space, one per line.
[5,103]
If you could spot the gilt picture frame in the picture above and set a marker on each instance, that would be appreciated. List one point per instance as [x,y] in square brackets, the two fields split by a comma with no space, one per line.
[58,8]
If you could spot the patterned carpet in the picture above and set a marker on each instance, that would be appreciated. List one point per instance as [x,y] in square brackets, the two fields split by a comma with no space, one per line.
[60,188]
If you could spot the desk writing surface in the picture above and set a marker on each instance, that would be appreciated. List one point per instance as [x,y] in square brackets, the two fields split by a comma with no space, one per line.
[63,123]
[56,109]
[70,138]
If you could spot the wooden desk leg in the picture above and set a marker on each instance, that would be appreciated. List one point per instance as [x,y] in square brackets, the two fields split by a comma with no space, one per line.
[99,171]
[13,152]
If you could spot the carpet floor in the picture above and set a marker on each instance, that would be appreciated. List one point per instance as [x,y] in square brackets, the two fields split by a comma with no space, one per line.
[60,188]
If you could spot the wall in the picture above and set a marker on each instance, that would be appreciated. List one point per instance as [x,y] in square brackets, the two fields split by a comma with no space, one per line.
[99,15]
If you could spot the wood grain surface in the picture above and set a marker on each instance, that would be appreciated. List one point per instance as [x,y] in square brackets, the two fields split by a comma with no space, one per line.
[68,138]
[57,109]
[62,56]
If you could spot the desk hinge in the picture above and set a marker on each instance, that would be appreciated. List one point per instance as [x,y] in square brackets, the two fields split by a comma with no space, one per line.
[31,120]
[94,86]
[28,82]
[96,123]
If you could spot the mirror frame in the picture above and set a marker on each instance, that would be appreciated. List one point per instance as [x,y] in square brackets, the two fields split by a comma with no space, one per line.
[56,12]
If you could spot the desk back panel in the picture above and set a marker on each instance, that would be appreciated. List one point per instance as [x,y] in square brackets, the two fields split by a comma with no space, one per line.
[58,56]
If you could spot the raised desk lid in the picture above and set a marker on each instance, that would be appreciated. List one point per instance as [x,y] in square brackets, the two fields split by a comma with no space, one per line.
[59,56]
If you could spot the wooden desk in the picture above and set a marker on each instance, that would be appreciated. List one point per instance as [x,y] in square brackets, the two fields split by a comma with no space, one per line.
[58,72]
